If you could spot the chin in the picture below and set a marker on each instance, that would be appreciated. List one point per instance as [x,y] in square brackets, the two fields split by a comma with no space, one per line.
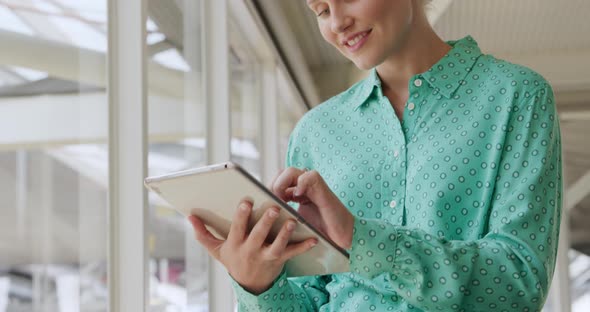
[364,64]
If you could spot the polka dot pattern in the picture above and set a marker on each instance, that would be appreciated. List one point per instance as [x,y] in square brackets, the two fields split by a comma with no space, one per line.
[457,205]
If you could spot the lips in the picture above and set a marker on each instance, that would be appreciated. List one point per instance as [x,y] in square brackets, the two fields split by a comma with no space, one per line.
[355,41]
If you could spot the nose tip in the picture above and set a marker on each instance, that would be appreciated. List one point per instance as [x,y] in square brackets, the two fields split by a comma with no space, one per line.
[340,24]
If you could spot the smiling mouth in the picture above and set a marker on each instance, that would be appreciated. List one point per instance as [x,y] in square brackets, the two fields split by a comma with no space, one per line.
[352,42]
[357,41]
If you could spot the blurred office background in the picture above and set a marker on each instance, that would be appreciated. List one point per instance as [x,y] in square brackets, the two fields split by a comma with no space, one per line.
[222,79]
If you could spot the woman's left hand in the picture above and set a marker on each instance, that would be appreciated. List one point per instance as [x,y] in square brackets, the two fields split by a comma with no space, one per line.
[318,205]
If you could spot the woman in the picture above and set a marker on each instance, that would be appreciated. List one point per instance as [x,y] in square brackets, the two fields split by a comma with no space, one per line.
[440,172]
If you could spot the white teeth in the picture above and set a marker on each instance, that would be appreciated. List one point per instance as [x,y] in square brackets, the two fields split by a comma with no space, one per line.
[355,40]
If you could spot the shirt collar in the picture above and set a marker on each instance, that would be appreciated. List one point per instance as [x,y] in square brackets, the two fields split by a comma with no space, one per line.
[365,89]
[446,76]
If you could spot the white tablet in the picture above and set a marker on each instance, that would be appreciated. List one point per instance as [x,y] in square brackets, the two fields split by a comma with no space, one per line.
[213,193]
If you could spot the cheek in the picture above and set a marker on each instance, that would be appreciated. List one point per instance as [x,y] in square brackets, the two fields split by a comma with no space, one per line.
[392,15]
[329,36]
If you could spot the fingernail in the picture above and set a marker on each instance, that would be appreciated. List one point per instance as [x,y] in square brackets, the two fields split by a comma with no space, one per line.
[290,225]
[244,206]
[313,243]
[273,213]
[297,192]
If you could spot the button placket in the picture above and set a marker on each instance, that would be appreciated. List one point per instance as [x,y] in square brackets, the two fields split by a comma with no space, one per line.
[412,109]
[418,84]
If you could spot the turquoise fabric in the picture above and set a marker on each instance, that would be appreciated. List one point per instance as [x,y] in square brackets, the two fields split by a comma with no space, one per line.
[457,206]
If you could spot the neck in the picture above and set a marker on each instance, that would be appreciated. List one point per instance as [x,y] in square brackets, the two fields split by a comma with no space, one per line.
[420,49]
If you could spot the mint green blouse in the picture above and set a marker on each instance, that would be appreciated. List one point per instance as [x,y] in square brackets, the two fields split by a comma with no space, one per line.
[457,206]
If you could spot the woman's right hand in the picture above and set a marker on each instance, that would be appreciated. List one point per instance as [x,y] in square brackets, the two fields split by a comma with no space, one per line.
[249,258]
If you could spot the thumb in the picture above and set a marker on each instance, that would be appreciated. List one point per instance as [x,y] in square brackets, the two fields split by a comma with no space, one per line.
[208,240]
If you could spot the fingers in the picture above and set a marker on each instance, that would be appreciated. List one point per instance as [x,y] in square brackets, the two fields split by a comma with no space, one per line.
[205,237]
[299,248]
[270,186]
[312,186]
[288,178]
[239,225]
[277,248]
[262,228]
[305,181]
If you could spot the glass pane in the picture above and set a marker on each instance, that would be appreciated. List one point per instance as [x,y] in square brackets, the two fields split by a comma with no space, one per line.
[178,264]
[290,111]
[575,173]
[54,159]
[580,281]
[246,102]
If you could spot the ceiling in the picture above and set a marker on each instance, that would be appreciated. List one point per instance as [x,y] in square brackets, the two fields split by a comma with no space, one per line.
[520,27]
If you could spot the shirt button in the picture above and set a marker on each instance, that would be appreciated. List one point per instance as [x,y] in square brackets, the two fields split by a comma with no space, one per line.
[392,204]
[411,106]
[418,82]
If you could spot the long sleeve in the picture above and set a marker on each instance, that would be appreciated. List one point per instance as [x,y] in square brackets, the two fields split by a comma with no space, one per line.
[286,294]
[511,266]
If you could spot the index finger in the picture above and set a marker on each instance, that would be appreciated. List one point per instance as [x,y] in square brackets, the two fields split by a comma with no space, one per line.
[288,178]
[275,179]
[239,224]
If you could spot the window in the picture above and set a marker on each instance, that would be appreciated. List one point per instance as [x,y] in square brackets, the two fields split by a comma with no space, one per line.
[54,145]
[178,264]
[53,156]
[291,109]
[246,86]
